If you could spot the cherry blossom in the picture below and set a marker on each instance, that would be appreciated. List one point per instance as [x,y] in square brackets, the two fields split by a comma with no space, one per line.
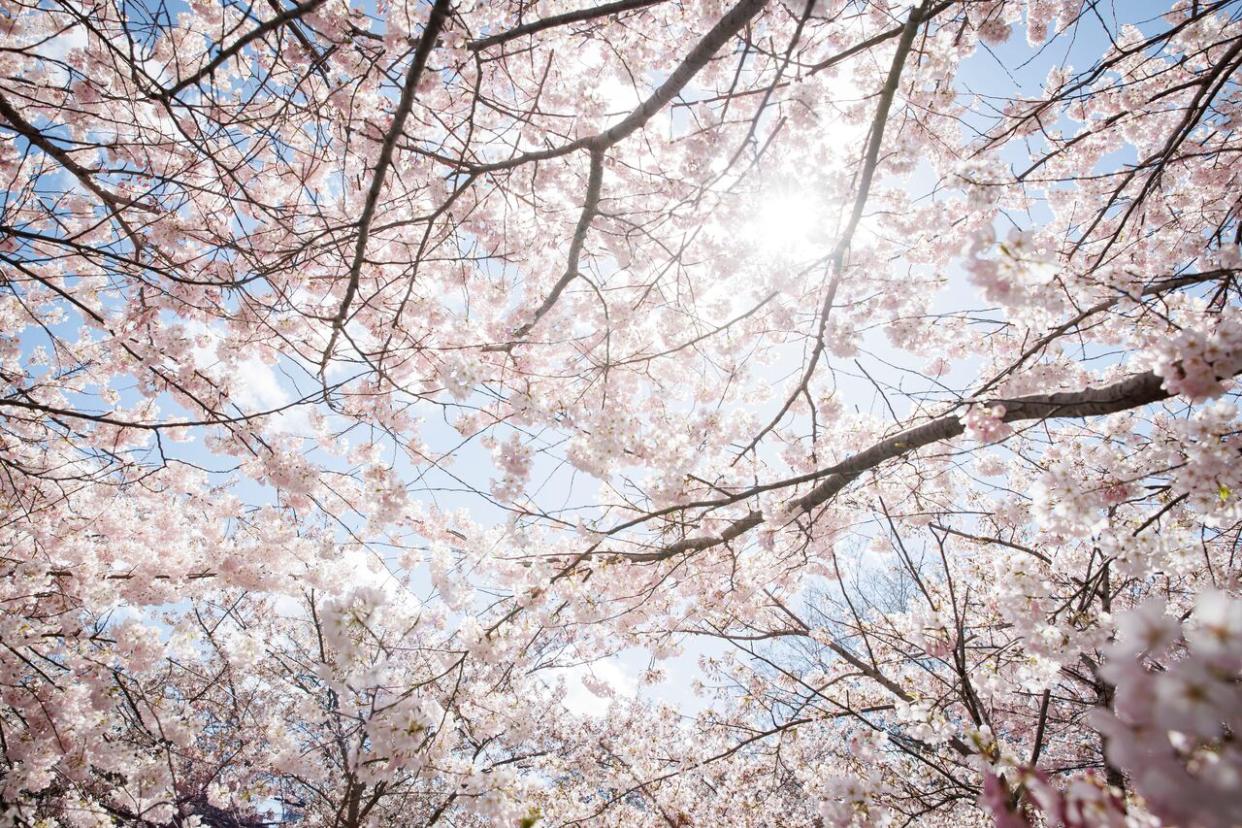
[841,394]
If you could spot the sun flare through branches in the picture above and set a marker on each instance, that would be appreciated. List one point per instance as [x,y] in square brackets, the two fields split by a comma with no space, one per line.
[786,223]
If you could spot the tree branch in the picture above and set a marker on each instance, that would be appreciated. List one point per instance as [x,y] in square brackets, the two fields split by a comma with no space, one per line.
[426,42]
[1135,391]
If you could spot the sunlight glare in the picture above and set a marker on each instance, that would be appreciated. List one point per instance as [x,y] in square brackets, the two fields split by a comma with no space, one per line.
[785,223]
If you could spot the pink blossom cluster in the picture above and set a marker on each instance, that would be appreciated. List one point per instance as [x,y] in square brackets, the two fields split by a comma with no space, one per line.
[1178,705]
[513,457]
[985,423]
[1085,801]
[1204,448]
[1198,362]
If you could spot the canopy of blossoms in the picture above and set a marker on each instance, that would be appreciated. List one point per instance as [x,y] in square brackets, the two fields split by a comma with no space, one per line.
[649,412]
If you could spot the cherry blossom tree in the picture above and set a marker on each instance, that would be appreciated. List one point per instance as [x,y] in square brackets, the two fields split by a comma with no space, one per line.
[859,375]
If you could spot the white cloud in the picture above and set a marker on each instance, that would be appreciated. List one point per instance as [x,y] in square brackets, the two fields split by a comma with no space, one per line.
[58,48]
[590,688]
[254,385]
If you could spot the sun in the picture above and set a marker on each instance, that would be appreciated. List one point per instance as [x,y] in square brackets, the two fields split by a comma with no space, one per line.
[786,224]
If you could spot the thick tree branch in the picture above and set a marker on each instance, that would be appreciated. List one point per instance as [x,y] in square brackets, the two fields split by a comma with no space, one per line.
[426,42]
[1135,391]
[555,20]
[695,60]
[590,208]
[35,136]
[285,17]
